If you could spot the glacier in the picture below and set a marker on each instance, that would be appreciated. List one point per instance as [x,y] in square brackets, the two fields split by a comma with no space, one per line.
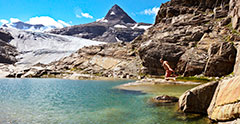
[39,47]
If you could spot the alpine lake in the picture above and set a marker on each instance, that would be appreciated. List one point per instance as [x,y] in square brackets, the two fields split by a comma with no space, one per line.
[58,101]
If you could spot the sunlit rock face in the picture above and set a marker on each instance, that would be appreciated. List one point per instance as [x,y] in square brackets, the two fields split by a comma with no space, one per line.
[225,105]
[194,36]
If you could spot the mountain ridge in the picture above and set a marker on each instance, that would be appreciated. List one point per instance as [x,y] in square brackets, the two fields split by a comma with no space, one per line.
[29,27]
[107,29]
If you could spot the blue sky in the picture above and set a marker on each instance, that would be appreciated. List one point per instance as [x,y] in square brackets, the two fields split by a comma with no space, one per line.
[73,12]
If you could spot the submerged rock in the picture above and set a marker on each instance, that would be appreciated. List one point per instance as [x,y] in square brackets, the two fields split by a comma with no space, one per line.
[159,100]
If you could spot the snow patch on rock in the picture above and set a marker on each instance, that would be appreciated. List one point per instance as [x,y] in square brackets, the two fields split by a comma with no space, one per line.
[145,27]
[120,26]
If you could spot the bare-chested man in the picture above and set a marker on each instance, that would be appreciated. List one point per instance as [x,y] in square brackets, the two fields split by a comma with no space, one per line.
[168,69]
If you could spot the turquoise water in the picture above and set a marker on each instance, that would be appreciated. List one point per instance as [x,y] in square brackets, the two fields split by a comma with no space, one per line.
[55,101]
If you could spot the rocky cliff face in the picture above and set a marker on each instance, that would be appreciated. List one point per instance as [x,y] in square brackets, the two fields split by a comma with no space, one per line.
[7,51]
[224,106]
[175,8]
[235,13]
[195,36]
[115,26]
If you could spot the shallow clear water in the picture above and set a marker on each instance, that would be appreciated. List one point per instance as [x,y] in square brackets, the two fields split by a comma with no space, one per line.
[55,101]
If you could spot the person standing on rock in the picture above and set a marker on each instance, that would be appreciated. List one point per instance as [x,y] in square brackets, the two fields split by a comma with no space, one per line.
[169,71]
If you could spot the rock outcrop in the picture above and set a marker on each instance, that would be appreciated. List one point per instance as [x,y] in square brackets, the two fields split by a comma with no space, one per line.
[181,7]
[109,60]
[7,51]
[115,26]
[225,105]
[198,99]
[5,36]
[116,60]
[234,7]
[219,100]
[218,60]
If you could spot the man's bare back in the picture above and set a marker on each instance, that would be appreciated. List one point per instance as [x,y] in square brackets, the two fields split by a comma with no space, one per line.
[168,69]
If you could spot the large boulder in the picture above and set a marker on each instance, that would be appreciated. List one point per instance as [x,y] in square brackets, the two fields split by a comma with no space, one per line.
[217,60]
[198,99]
[225,105]
[151,52]
[221,59]
[192,62]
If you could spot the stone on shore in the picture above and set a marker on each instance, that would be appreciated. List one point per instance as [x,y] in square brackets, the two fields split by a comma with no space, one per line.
[197,100]
[225,105]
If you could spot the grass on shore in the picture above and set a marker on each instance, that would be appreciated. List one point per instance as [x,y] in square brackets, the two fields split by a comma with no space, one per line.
[195,79]
[200,79]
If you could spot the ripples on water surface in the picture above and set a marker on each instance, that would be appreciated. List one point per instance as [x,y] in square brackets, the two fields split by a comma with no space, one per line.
[54,101]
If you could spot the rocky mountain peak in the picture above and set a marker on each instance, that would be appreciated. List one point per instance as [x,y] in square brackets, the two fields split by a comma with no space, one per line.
[117,14]
[29,27]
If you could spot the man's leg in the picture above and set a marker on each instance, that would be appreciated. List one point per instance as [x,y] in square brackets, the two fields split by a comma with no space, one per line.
[167,74]
[173,75]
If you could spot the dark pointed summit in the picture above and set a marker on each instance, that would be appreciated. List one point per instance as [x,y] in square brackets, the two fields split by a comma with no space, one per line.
[117,14]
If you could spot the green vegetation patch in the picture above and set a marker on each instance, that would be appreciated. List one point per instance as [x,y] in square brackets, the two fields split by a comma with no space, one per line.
[234,31]
[195,79]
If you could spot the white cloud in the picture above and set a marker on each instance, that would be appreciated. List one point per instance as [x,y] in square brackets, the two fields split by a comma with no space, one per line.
[44,20]
[152,11]
[12,20]
[78,16]
[3,21]
[47,21]
[86,15]
[64,23]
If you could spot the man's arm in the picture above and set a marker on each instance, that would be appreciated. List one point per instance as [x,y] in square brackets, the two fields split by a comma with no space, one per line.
[168,66]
